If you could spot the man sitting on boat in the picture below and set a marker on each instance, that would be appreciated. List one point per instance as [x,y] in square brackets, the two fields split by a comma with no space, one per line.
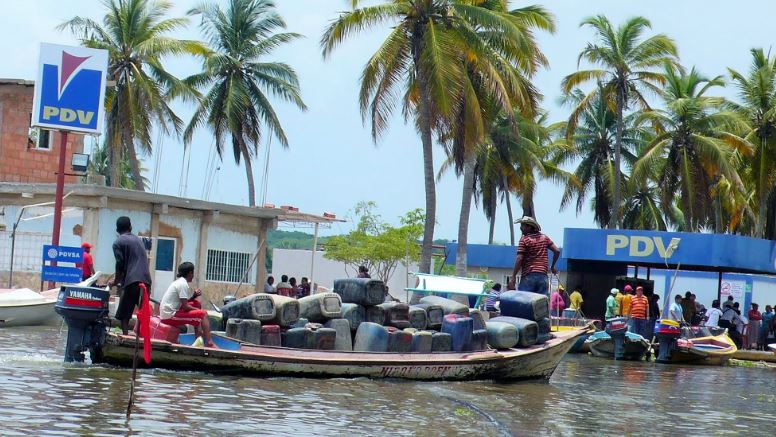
[178,306]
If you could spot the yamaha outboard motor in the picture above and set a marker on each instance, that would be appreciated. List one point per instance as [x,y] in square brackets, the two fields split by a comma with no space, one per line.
[617,328]
[85,310]
[666,332]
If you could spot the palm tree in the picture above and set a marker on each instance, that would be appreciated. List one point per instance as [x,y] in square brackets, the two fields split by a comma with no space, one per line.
[694,147]
[135,33]
[236,105]
[757,91]
[421,59]
[627,71]
[99,164]
[593,148]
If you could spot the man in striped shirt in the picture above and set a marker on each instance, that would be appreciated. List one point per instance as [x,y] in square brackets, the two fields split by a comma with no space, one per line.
[639,312]
[531,259]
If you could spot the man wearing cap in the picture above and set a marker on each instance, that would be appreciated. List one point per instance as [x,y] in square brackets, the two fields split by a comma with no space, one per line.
[611,304]
[639,312]
[88,265]
[531,259]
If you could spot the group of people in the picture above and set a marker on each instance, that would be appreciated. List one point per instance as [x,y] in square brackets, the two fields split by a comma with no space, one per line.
[288,287]
[640,311]
[179,305]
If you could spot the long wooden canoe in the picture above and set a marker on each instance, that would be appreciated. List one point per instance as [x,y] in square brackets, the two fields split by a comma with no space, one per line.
[536,362]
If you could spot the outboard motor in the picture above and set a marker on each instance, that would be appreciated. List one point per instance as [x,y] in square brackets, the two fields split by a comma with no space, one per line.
[617,328]
[228,299]
[667,332]
[85,310]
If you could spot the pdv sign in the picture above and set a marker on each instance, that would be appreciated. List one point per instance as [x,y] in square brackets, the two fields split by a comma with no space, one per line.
[70,89]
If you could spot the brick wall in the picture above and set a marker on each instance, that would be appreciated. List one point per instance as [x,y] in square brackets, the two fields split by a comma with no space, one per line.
[19,160]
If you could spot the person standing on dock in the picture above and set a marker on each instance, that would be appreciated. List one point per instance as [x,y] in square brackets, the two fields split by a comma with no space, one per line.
[639,312]
[131,271]
[531,259]
[713,315]
[557,302]
[626,301]
[87,266]
[611,304]
[576,300]
[765,328]
[675,311]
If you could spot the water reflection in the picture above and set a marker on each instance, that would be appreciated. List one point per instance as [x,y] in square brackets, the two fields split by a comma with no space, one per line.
[586,395]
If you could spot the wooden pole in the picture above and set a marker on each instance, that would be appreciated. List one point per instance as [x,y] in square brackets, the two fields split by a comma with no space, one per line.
[312,259]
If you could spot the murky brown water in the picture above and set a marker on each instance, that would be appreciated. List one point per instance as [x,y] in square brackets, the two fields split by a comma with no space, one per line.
[41,396]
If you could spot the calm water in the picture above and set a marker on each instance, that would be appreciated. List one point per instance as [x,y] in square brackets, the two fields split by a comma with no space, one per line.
[39,396]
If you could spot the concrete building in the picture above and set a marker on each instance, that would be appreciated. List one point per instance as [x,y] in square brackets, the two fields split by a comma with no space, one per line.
[28,155]
[223,241]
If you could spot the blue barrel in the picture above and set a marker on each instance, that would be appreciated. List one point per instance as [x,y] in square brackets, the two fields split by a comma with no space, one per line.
[270,335]
[502,335]
[434,314]
[524,305]
[528,329]
[422,342]
[320,307]
[396,314]
[371,337]
[325,339]
[399,341]
[259,306]
[374,314]
[299,338]
[448,306]
[545,325]
[477,317]
[441,342]
[418,318]
[286,310]
[246,330]
[460,328]
[361,291]
[344,339]
[479,341]
[355,314]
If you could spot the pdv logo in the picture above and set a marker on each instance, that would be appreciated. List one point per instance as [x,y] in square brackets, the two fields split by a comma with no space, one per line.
[70,90]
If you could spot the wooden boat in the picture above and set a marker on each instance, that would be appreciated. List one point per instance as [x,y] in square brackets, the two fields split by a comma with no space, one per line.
[712,350]
[772,347]
[536,362]
[560,324]
[601,344]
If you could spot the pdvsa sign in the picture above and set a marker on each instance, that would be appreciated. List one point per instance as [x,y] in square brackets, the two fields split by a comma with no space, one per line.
[638,245]
[70,89]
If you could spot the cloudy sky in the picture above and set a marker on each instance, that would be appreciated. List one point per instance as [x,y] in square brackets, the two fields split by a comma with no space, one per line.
[332,162]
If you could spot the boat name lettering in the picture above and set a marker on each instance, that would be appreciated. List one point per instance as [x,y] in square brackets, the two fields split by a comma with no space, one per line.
[400,371]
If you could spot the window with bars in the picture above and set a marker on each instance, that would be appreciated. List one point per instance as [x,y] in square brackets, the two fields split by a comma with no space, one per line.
[224,266]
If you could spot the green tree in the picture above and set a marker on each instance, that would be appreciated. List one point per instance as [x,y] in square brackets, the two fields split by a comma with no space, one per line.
[757,91]
[136,35]
[694,148]
[421,60]
[377,245]
[627,70]
[99,164]
[236,106]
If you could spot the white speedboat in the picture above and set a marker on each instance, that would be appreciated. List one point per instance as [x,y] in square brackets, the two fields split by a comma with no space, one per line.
[24,307]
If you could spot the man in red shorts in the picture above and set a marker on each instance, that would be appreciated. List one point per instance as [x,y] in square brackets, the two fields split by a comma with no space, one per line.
[180,308]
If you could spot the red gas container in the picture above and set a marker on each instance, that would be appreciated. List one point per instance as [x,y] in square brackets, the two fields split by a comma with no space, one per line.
[160,331]
[270,335]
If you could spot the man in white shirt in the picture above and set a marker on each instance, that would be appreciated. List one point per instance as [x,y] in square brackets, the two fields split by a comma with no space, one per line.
[713,315]
[675,311]
[179,308]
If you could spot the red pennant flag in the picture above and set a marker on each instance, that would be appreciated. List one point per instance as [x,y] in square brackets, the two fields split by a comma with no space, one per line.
[144,318]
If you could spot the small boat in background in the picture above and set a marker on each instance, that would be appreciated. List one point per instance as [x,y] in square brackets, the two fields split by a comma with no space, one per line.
[698,345]
[601,344]
[25,307]
[568,323]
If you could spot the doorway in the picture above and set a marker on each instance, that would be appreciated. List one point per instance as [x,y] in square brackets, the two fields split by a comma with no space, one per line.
[165,266]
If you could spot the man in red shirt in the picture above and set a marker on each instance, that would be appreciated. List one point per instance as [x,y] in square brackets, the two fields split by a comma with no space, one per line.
[531,259]
[88,264]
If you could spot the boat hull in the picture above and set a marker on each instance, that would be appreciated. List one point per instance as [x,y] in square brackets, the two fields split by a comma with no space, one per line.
[701,353]
[634,350]
[536,362]
[28,315]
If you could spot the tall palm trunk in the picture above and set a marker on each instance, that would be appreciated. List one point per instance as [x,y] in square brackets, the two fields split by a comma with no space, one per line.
[509,215]
[463,221]
[134,164]
[492,229]
[762,195]
[614,223]
[424,118]
[248,171]
[528,205]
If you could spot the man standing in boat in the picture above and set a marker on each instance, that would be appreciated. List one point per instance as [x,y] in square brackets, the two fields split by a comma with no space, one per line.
[131,271]
[179,306]
[531,259]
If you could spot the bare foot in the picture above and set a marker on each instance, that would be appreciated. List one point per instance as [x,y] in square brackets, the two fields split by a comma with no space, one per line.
[212,345]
